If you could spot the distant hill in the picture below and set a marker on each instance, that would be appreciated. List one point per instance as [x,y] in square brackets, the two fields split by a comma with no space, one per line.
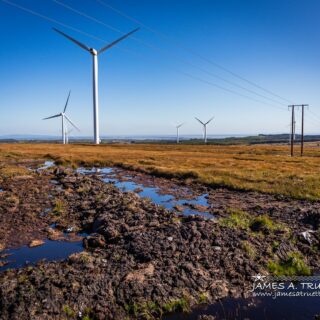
[220,140]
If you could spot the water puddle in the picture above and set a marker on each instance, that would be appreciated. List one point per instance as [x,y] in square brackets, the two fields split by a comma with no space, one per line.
[47,164]
[156,193]
[301,308]
[49,251]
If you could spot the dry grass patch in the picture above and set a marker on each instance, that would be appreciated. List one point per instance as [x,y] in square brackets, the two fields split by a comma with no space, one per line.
[265,168]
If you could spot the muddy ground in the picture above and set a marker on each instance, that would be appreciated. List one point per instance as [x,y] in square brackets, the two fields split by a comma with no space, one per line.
[141,260]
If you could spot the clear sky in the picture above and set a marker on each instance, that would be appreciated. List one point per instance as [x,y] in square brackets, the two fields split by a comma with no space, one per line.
[149,83]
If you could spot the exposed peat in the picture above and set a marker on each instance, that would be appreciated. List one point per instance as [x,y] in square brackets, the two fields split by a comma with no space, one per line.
[141,260]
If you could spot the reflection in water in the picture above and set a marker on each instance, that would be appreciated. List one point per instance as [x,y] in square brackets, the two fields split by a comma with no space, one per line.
[166,200]
[281,308]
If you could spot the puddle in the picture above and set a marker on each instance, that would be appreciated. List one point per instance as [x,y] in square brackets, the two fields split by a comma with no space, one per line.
[301,308]
[47,164]
[50,251]
[154,192]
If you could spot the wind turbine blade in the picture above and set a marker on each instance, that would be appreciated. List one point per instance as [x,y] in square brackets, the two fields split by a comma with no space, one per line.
[209,120]
[72,123]
[199,121]
[180,125]
[83,46]
[55,116]
[65,107]
[117,41]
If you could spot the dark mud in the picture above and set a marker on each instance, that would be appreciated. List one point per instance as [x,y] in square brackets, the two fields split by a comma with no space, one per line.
[140,259]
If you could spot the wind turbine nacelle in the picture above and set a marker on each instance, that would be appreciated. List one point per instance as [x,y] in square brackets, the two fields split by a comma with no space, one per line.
[93,51]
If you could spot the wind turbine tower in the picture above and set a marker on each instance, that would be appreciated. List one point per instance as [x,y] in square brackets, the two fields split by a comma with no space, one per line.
[94,53]
[204,124]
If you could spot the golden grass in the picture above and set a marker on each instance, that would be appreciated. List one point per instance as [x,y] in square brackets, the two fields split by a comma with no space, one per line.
[10,171]
[266,168]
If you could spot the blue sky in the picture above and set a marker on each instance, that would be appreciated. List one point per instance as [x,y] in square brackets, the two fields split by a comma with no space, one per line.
[146,90]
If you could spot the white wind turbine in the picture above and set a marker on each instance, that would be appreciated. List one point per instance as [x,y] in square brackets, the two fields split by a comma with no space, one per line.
[95,54]
[204,128]
[63,117]
[178,127]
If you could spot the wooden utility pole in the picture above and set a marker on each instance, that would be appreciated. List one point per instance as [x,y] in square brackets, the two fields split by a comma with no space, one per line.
[293,126]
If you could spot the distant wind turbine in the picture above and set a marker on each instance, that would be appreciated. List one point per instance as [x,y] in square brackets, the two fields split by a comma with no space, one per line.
[204,128]
[178,127]
[95,54]
[63,117]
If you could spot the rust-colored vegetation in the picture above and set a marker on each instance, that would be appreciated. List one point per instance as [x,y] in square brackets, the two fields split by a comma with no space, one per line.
[266,168]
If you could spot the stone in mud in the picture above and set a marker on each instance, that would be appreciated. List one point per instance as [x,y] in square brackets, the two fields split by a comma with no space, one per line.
[36,243]
[94,241]
[2,247]
[307,237]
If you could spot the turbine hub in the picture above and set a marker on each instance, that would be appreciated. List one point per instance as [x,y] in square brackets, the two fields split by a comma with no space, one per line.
[93,51]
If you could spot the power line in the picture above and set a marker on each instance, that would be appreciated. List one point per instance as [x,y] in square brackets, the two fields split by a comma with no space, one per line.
[51,20]
[165,51]
[62,24]
[179,45]
[314,115]
[103,40]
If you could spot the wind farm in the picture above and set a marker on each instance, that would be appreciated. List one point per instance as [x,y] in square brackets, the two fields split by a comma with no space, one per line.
[180,180]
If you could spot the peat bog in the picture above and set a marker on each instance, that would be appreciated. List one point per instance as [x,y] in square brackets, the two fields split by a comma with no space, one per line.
[111,253]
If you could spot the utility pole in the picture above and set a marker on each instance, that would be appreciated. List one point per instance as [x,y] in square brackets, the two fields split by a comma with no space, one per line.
[293,125]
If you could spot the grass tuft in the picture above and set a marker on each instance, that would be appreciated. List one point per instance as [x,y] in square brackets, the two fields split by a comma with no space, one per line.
[294,265]
[69,312]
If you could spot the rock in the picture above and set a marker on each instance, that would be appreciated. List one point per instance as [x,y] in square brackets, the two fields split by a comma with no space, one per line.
[36,243]
[70,229]
[307,236]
